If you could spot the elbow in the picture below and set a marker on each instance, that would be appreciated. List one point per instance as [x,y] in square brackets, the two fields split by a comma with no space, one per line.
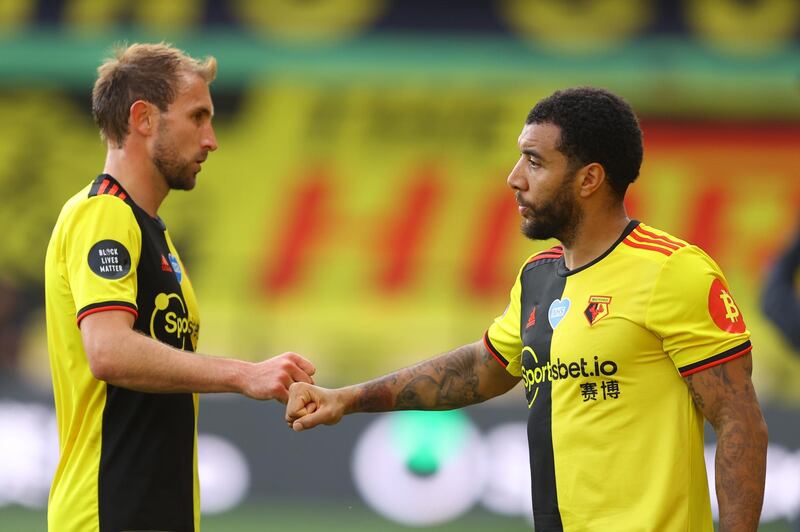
[757,433]
[747,429]
[101,361]
[107,337]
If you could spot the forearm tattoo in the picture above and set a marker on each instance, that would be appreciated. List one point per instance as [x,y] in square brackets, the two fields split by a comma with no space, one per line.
[448,381]
[730,404]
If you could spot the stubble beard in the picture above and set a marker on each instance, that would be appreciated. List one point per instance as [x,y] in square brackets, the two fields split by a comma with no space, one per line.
[558,218]
[177,172]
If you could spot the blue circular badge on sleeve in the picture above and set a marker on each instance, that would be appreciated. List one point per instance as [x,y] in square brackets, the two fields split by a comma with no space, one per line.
[109,259]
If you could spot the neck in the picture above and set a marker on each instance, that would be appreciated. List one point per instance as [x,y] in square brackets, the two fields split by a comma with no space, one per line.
[142,181]
[596,233]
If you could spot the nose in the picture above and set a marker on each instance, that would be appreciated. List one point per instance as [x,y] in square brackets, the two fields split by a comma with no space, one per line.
[209,141]
[516,179]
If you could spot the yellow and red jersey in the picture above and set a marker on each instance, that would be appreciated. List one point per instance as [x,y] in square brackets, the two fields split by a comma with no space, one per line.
[616,441]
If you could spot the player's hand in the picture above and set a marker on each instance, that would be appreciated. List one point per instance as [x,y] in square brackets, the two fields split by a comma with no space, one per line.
[310,406]
[272,378]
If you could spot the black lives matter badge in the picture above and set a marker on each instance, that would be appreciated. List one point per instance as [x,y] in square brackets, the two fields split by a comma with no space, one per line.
[110,259]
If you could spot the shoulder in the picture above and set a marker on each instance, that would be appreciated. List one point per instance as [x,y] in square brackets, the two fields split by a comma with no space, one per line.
[652,243]
[675,251]
[88,208]
[87,219]
[665,252]
[541,258]
[678,267]
[667,263]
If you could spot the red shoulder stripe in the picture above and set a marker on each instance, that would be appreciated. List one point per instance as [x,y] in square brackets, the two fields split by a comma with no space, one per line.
[114,190]
[634,244]
[644,240]
[659,237]
[552,253]
[103,186]
[546,256]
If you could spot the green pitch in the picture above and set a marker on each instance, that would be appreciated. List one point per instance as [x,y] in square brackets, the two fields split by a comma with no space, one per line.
[312,517]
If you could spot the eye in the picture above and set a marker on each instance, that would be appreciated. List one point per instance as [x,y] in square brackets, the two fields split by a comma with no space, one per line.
[533,162]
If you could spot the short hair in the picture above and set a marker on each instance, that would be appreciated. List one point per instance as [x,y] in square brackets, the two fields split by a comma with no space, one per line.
[149,72]
[596,126]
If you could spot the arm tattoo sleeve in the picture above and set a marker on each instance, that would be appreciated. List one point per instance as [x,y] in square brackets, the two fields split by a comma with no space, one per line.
[730,404]
[448,381]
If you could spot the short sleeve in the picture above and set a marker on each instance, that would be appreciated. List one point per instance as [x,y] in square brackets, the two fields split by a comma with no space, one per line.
[502,339]
[693,311]
[102,246]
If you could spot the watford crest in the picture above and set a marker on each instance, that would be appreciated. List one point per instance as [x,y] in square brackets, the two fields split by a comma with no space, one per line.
[597,309]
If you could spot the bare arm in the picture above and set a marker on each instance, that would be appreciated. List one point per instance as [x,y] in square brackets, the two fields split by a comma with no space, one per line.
[726,397]
[461,377]
[120,356]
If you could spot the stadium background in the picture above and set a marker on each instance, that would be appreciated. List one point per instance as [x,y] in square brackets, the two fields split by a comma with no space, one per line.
[357,212]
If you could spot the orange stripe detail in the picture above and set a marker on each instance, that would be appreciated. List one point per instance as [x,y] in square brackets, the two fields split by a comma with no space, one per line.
[554,249]
[634,244]
[552,253]
[103,309]
[718,362]
[546,256]
[659,237]
[122,196]
[644,240]
[103,186]
[114,190]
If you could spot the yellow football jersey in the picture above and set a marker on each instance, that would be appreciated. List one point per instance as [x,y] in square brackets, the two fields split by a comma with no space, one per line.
[616,441]
[127,458]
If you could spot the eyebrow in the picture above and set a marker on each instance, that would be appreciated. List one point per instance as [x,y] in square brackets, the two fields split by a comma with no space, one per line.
[204,110]
[532,152]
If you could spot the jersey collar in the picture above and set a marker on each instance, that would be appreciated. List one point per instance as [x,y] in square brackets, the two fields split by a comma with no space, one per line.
[562,269]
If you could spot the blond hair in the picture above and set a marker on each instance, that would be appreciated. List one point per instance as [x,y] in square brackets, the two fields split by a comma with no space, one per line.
[149,72]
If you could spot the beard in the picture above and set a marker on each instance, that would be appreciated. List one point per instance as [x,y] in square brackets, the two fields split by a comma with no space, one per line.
[558,217]
[177,171]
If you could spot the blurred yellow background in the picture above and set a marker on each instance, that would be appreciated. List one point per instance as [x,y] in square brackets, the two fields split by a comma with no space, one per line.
[356,210]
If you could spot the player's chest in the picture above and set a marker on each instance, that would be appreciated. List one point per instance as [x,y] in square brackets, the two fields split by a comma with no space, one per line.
[586,327]
[164,294]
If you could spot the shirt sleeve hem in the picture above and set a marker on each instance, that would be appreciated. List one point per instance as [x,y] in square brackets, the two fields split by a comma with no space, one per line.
[107,305]
[721,358]
[495,353]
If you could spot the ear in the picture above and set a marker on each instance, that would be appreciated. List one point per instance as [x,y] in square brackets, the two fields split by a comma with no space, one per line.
[142,118]
[591,177]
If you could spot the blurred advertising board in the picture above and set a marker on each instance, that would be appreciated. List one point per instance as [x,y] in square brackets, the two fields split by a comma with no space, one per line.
[412,468]
[370,226]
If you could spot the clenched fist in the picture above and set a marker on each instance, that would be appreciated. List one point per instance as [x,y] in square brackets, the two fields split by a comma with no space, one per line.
[309,406]
[272,378]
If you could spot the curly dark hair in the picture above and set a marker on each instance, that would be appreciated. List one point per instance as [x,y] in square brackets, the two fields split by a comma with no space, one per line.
[596,127]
